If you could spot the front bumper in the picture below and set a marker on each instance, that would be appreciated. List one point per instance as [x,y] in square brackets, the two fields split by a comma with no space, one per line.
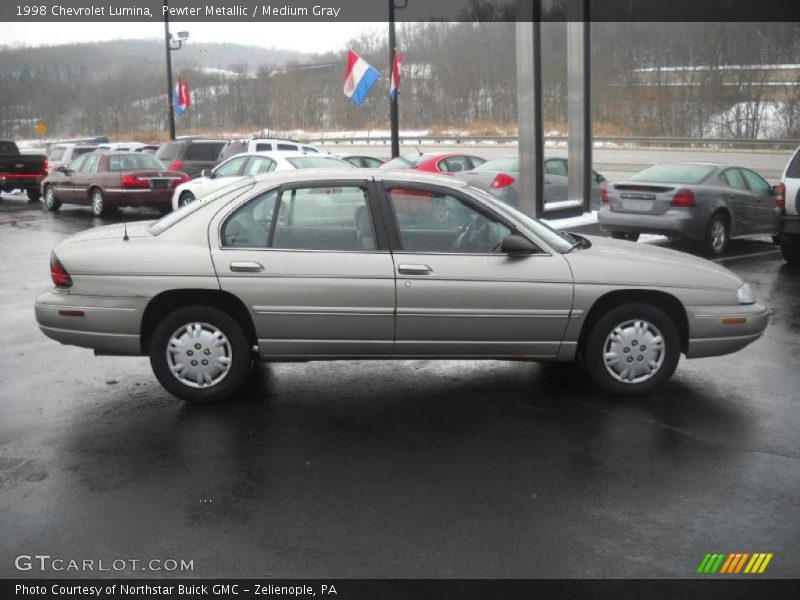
[676,221]
[714,331]
[107,325]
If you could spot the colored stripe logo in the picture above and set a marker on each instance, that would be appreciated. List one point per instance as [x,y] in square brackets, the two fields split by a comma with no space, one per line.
[736,562]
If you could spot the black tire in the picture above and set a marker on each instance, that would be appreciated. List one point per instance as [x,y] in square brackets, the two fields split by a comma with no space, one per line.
[237,351]
[99,206]
[599,342]
[717,236]
[34,194]
[51,203]
[790,248]
[185,198]
[621,235]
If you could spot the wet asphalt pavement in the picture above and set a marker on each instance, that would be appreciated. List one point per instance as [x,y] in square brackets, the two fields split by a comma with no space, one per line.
[393,469]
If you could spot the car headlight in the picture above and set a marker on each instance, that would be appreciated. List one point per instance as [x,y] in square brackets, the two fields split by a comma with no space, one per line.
[746,294]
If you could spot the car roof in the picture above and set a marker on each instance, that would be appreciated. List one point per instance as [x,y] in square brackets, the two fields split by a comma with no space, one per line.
[322,175]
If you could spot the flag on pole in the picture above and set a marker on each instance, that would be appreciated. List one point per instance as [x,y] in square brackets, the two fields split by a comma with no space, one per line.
[359,77]
[180,97]
[395,83]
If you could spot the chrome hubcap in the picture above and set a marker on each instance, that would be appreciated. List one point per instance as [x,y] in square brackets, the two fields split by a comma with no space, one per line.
[49,197]
[199,355]
[184,200]
[634,351]
[97,203]
[717,235]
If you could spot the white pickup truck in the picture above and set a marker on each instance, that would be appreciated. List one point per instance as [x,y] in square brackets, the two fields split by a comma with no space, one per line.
[790,218]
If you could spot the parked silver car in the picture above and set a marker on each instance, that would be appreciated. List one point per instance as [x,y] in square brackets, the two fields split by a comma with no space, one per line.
[704,202]
[500,177]
[313,265]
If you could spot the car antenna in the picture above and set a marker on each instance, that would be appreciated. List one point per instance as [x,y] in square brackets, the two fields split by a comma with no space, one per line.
[125,237]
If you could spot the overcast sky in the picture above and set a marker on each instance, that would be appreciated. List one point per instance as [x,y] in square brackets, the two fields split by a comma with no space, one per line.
[303,37]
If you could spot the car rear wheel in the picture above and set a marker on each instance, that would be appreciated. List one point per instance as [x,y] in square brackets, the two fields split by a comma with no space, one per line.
[200,354]
[621,235]
[51,203]
[99,208]
[717,235]
[185,198]
[632,349]
[790,248]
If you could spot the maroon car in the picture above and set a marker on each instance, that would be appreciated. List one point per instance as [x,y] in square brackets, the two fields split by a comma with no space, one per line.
[108,180]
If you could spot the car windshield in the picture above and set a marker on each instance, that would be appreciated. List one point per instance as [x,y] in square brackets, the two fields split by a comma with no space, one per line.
[318,162]
[234,189]
[409,161]
[674,173]
[125,162]
[558,240]
[504,164]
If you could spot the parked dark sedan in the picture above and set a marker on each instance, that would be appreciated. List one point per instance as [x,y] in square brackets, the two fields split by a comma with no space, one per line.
[107,180]
[704,202]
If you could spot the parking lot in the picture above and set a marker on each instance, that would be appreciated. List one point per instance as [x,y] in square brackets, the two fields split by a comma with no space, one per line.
[394,469]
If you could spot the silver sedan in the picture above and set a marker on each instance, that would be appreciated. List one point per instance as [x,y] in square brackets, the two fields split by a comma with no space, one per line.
[705,202]
[382,265]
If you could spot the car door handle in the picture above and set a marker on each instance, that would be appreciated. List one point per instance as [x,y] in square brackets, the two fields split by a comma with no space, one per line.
[414,269]
[246,267]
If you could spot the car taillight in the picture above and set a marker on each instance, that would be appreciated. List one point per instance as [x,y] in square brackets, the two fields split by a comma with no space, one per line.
[183,179]
[502,180]
[175,165]
[45,167]
[683,198]
[780,195]
[58,273]
[132,181]
[604,195]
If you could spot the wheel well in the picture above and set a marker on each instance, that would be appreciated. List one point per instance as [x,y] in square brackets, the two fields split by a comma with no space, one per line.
[166,302]
[92,189]
[725,214]
[667,302]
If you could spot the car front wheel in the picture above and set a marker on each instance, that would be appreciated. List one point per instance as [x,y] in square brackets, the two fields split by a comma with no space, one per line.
[200,354]
[51,203]
[632,349]
[185,198]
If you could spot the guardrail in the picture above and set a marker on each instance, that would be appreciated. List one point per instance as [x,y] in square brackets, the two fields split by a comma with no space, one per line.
[637,141]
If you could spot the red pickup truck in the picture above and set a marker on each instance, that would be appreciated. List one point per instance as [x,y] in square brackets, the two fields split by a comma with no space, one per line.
[21,171]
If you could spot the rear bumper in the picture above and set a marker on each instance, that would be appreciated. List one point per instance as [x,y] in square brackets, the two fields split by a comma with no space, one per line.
[790,224]
[676,221]
[123,197]
[105,324]
[710,336]
[9,182]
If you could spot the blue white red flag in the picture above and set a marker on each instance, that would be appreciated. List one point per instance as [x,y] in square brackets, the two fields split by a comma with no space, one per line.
[395,84]
[359,77]
[181,98]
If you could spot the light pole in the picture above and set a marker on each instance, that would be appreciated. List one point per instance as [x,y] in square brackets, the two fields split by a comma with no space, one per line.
[393,111]
[171,44]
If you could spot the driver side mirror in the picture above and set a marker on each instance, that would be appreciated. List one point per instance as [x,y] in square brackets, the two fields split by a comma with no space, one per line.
[516,244]
[63,169]
[207,173]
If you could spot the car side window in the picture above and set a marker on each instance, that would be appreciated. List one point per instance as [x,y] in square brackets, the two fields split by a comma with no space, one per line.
[476,161]
[371,163]
[90,165]
[434,222]
[454,164]
[288,147]
[733,178]
[250,224]
[76,164]
[259,164]
[324,218]
[756,182]
[232,168]
[555,167]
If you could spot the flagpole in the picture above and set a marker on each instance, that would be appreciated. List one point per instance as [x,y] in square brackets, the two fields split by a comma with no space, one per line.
[169,73]
[393,112]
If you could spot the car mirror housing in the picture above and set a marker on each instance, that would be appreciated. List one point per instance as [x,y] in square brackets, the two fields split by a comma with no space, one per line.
[516,244]
[62,169]
[207,174]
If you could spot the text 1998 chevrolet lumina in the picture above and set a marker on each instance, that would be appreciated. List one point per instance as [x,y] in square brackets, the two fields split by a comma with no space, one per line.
[362,264]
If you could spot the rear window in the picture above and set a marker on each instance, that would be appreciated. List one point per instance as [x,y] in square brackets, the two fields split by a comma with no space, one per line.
[207,151]
[124,162]
[674,173]
[234,189]
[56,153]
[505,164]
[263,146]
[78,150]
[409,161]
[318,162]
[8,148]
[168,151]
[793,171]
[310,149]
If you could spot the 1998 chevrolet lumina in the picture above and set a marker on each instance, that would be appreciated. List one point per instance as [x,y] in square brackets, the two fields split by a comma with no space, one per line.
[361,264]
